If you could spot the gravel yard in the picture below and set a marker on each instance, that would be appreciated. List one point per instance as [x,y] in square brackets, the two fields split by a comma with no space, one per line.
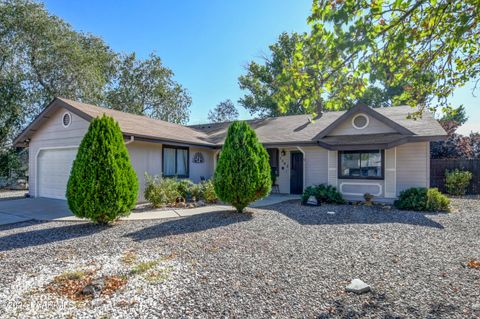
[283,261]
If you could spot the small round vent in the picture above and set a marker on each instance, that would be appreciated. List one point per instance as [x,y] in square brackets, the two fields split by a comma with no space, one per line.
[360,121]
[66,119]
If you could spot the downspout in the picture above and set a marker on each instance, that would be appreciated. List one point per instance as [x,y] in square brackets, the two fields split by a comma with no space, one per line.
[304,166]
[132,139]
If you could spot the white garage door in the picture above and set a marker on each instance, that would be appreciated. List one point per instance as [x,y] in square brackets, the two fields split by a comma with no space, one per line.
[53,171]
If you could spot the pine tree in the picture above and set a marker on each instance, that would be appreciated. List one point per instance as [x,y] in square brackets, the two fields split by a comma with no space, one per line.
[243,171]
[103,185]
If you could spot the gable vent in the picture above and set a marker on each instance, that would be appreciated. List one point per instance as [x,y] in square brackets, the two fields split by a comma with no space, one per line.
[66,119]
[360,121]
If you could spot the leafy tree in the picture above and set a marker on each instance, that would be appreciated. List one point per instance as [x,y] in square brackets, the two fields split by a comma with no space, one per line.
[260,80]
[41,57]
[243,171]
[427,47]
[146,87]
[103,185]
[225,111]
[456,145]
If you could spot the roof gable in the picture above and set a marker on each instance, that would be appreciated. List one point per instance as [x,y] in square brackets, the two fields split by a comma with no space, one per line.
[348,115]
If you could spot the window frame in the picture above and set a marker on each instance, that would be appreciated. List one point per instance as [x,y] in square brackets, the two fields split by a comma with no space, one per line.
[382,168]
[176,148]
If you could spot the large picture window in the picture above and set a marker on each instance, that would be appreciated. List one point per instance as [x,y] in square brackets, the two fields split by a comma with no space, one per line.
[361,164]
[175,161]
[273,160]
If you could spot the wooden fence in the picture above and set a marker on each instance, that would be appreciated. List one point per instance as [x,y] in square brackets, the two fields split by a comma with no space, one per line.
[438,167]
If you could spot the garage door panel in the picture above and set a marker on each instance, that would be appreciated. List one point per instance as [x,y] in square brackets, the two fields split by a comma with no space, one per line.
[54,167]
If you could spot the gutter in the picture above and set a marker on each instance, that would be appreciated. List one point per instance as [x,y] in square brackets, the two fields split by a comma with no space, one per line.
[132,139]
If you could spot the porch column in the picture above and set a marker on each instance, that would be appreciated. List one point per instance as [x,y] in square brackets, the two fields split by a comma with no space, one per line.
[391,172]
[333,168]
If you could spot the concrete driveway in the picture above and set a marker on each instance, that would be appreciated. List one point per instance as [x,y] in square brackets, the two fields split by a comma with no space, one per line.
[45,209]
[18,210]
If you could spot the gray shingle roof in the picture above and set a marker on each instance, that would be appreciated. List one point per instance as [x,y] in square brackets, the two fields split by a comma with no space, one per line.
[299,128]
[294,129]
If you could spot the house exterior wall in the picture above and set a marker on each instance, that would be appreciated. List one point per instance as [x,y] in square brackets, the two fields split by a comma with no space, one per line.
[413,165]
[374,127]
[145,158]
[201,170]
[54,135]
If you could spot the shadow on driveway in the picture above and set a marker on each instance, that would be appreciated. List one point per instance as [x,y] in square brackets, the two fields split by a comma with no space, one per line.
[349,214]
[46,235]
[192,224]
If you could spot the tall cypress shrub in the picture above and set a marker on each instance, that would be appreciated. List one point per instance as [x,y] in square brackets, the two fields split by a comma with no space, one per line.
[243,171]
[103,185]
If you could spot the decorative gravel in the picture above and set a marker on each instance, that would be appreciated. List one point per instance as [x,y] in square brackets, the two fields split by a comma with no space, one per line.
[284,261]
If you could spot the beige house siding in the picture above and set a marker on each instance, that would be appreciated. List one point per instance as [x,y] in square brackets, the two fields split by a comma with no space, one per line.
[374,127]
[145,158]
[315,161]
[54,135]
[205,169]
[413,165]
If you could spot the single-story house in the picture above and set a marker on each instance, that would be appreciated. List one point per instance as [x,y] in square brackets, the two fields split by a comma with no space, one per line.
[379,151]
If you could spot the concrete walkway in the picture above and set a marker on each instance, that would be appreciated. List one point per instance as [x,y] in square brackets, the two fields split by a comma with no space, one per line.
[45,209]
[273,199]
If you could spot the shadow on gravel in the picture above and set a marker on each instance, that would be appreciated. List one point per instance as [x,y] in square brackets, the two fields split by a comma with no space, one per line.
[192,224]
[345,214]
[47,235]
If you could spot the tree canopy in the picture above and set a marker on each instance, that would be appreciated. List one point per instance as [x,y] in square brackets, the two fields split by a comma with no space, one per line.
[427,48]
[42,56]
[260,80]
[146,87]
[225,111]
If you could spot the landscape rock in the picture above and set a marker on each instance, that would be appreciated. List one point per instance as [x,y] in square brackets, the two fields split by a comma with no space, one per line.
[94,288]
[312,201]
[358,286]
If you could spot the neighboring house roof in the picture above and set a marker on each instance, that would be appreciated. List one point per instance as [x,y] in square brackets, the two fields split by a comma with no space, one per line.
[294,129]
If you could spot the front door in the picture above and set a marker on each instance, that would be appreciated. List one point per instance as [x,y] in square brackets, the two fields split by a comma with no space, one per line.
[296,173]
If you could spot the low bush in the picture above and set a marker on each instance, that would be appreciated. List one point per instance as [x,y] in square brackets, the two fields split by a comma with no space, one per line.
[209,194]
[324,194]
[161,191]
[184,187]
[165,191]
[422,199]
[457,181]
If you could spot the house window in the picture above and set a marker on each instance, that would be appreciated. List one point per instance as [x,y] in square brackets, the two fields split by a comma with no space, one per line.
[273,154]
[361,164]
[175,161]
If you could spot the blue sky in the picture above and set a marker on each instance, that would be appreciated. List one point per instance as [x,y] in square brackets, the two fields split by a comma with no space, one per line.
[206,43]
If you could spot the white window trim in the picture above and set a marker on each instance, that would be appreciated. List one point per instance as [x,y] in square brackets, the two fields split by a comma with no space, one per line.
[70,122]
[366,124]
[362,184]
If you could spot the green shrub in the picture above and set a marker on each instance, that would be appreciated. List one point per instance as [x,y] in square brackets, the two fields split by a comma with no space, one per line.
[436,201]
[197,191]
[184,187]
[103,185]
[422,199]
[324,194]
[161,191]
[208,190]
[243,171]
[457,181]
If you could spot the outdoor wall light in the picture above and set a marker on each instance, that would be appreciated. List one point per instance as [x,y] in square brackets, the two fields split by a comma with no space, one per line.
[283,153]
